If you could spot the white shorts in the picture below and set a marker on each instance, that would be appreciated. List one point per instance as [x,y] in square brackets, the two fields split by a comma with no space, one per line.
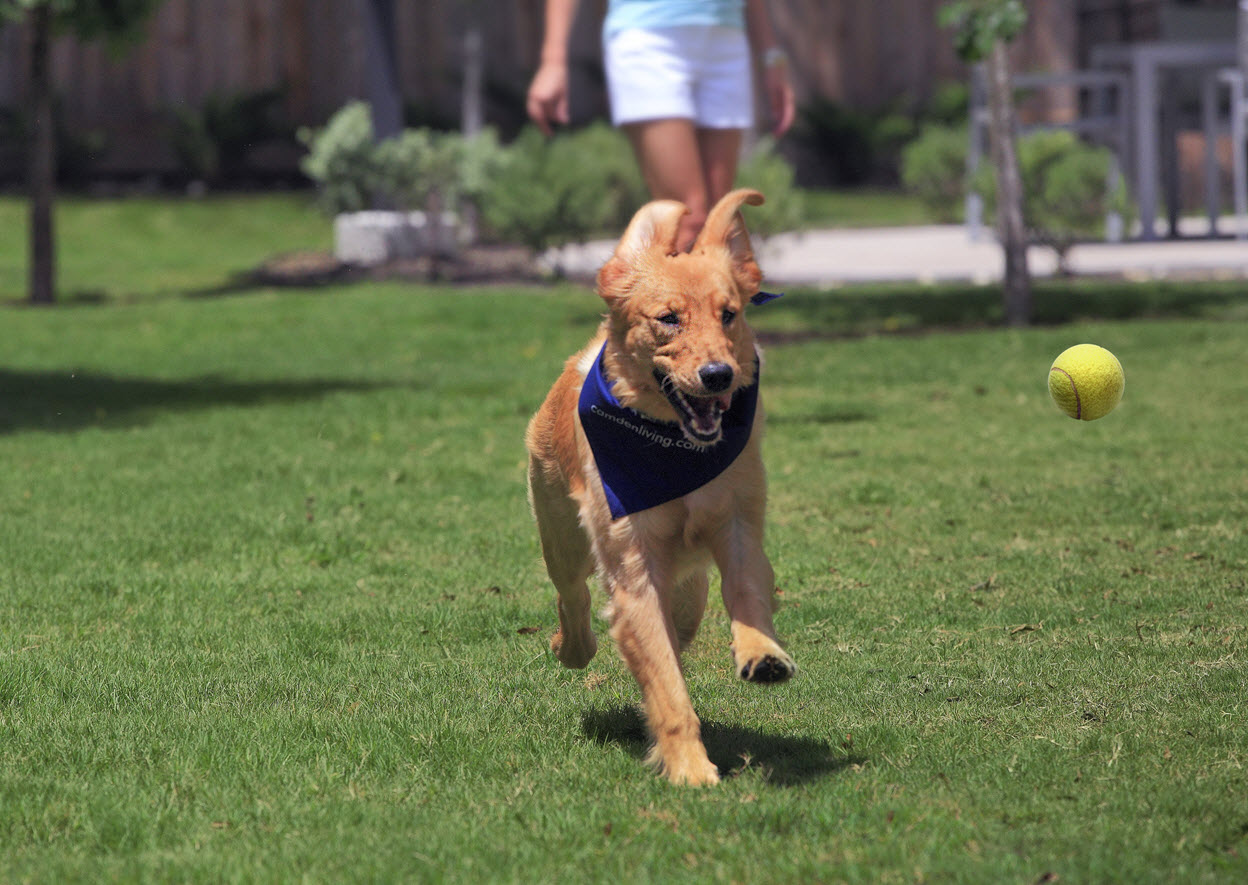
[693,72]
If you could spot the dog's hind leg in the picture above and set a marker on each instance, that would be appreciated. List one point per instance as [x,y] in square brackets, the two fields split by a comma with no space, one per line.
[688,605]
[569,562]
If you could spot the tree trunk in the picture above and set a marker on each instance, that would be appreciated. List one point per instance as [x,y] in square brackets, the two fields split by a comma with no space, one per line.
[1003,133]
[42,169]
[384,93]
[472,115]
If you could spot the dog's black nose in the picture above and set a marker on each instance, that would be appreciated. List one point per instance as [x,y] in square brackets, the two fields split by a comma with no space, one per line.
[716,377]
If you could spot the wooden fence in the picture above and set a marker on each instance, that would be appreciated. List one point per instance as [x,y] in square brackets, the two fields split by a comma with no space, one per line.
[864,53]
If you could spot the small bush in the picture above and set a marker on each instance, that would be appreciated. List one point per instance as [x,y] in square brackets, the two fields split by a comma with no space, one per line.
[1072,196]
[213,141]
[538,192]
[850,147]
[949,105]
[933,167]
[839,141]
[764,169]
[417,169]
[605,153]
[341,159]
[1066,193]
[578,184]
[553,191]
[547,192]
[77,150]
[479,159]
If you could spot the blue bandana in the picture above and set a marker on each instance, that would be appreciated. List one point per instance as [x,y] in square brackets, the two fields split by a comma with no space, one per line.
[644,462]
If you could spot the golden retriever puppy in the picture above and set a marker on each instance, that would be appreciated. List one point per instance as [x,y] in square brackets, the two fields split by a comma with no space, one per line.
[644,466]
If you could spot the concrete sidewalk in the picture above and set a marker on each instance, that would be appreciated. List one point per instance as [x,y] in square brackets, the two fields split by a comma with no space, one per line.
[945,253]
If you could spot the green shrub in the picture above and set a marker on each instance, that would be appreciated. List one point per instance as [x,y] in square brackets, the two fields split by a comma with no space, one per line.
[611,158]
[553,191]
[538,192]
[479,159]
[1066,190]
[546,193]
[933,167]
[850,147]
[764,169]
[408,166]
[341,159]
[583,183]
[949,104]
[212,141]
[1072,196]
[77,150]
[417,169]
[839,140]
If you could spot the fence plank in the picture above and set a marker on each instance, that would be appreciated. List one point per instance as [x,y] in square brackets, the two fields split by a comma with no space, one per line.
[864,54]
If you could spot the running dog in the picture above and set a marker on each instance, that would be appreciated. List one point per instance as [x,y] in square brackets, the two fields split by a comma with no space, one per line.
[644,465]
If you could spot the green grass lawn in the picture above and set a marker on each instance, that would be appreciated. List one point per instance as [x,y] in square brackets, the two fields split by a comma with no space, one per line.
[145,246]
[864,207]
[272,607]
[132,249]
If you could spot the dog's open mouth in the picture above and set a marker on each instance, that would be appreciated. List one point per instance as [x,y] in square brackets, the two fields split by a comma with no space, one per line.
[701,417]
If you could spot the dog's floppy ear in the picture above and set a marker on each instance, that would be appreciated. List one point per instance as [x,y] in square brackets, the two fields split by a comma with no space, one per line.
[726,228]
[651,233]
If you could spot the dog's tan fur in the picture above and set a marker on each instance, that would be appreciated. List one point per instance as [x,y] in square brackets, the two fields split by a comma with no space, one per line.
[653,564]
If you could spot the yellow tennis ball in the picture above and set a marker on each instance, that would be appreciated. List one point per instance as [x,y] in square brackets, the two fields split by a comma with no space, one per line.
[1086,381]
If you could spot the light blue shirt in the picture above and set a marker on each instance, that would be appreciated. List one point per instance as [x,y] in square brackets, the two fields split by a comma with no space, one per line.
[652,14]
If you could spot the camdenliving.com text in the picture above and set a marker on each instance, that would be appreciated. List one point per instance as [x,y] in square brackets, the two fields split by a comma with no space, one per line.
[655,436]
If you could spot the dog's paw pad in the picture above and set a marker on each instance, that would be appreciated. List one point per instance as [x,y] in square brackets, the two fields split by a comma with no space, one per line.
[768,669]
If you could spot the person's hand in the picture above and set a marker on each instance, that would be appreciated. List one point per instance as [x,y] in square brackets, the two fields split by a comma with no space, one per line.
[548,96]
[780,97]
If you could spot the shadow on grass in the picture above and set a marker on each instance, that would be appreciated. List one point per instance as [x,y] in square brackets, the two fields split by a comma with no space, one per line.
[66,401]
[870,309]
[785,761]
[825,416]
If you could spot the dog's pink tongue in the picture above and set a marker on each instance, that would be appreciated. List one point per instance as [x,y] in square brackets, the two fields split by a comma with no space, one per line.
[725,401]
[706,412]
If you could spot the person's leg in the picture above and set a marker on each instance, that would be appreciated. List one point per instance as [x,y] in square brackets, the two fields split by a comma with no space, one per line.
[719,150]
[722,94]
[670,157]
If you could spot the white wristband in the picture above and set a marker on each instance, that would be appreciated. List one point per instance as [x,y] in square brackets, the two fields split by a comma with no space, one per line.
[775,57]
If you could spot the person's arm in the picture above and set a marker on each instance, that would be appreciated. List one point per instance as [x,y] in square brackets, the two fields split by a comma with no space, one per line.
[775,65]
[548,93]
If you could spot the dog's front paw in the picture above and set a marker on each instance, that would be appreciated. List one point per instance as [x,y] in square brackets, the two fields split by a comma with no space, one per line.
[757,656]
[702,775]
[687,767]
[768,668]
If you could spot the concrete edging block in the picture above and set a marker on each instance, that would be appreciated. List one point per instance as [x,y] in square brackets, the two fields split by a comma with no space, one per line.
[375,237]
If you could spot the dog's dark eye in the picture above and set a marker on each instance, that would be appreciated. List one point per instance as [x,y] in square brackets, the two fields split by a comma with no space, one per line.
[729,316]
[669,319]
